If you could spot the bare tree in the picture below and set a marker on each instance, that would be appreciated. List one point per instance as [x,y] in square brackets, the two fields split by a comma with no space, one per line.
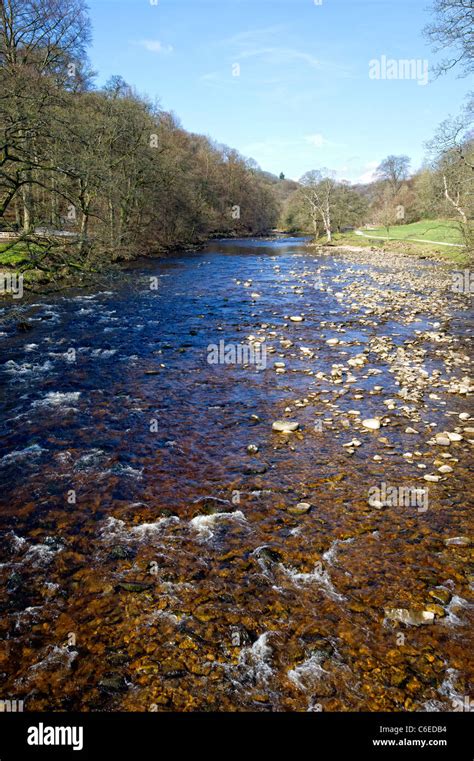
[46,35]
[42,45]
[452,152]
[318,187]
[394,171]
[451,30]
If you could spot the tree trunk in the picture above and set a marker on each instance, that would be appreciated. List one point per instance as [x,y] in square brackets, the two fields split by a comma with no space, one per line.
[454,203]
[28,210]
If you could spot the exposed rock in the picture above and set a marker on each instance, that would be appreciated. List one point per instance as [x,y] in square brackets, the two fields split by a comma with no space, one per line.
[458,541]
[300,509]
[445,469]
[285,426]
[371,423]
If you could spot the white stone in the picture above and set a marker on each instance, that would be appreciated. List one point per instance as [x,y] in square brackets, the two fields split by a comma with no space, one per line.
[371,423]
[285,426]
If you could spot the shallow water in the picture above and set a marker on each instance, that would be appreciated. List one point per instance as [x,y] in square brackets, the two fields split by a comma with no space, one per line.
[105,467]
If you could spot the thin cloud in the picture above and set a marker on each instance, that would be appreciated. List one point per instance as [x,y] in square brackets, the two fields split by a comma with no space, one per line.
[155,46]
[253,36]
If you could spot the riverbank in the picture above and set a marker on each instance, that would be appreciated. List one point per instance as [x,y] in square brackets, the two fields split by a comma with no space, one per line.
[23,260]
[42,277]
[354,242]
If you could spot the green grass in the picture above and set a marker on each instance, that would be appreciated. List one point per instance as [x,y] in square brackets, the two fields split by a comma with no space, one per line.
[455,255]
[442,231]
[14,254]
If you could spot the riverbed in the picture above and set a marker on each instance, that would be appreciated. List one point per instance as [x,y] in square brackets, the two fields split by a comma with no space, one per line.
[163,548]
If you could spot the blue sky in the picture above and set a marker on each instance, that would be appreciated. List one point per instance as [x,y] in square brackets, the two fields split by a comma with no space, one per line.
[283,81]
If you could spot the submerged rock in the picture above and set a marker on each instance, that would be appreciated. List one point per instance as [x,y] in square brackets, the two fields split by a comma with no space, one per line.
[269,555]
[121,553]
[24,326]
[441,595]
[255,469]
[212,506]
[133,586]
[113,683]
[438,610]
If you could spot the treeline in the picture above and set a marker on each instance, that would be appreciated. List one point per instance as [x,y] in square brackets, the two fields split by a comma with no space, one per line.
[88,174]
[91,175]
[442,189]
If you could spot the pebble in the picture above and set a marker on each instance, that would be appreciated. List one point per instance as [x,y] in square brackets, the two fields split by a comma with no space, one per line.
[371,423]
[445,469]
[285,426]
[300,509]
[296,318]
[458,541]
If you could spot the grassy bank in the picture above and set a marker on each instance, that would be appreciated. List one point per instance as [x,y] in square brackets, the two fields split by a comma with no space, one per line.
[426,250]
[438,230]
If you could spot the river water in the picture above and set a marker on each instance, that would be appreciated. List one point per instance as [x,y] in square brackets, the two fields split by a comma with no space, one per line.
[151,561]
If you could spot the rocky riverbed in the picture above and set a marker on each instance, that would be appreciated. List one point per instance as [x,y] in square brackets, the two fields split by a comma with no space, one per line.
[285,527]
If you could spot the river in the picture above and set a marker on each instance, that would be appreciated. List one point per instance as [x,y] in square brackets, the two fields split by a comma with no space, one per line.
[152,555]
